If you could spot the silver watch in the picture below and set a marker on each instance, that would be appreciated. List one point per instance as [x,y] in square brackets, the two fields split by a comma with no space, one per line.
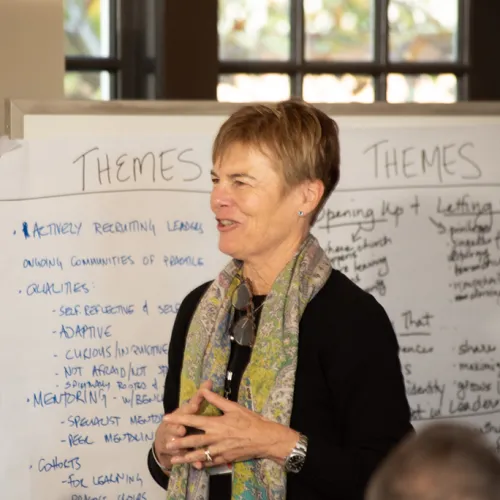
[295,461]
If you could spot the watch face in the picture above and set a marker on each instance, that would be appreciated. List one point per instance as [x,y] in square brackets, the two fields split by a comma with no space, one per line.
[295,463]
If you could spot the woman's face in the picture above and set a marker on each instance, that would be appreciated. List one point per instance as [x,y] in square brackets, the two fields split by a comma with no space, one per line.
[256,215]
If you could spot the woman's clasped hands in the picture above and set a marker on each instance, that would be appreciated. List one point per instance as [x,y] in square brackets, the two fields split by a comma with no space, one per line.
[237,435]
[167,432]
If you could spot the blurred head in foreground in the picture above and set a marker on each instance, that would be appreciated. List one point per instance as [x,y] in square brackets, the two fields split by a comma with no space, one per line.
[441,462]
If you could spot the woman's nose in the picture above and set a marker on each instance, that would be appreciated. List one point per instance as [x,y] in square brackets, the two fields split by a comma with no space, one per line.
[219,197]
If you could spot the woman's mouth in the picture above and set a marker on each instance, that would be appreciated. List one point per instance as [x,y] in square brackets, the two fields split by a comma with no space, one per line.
[226,224]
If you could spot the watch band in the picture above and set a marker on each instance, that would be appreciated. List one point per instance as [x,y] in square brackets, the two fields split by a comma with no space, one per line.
[297,457]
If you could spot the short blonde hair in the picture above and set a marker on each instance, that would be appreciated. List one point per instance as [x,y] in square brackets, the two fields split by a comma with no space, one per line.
[300,139]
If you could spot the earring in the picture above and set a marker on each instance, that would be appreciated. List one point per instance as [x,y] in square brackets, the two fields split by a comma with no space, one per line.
[301,213]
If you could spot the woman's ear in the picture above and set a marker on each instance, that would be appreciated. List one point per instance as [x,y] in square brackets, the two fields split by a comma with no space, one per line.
[311,195]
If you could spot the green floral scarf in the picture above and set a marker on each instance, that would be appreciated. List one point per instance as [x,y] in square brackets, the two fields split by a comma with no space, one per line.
[268,383]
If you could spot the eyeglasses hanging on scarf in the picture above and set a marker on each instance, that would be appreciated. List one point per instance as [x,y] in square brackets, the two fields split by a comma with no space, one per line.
[244,330]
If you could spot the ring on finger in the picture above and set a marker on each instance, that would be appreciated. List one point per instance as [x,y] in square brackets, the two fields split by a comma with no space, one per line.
[208,456]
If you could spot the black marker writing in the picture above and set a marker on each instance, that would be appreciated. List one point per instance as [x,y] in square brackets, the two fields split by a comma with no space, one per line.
[164,166]
[447,160]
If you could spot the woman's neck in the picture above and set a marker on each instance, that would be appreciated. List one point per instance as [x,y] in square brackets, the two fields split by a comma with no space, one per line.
[263,271]
[261,279]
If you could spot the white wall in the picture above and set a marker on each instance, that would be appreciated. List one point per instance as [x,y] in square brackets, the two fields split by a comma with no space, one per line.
[31,50]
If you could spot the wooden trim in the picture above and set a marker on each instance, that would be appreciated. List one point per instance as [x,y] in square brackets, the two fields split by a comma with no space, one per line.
[14,119]
[81,107]
[17,109]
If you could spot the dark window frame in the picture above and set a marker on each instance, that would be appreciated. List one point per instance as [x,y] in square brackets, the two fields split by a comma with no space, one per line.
[484,79]
[129,63]
[297,66]
[192,71]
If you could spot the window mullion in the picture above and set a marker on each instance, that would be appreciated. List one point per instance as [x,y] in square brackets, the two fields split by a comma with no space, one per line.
[297,49]
[381,46]
[463,41]
[132,78]
[113,27]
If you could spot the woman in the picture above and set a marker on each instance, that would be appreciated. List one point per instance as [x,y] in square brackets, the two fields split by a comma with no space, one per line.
[288,371]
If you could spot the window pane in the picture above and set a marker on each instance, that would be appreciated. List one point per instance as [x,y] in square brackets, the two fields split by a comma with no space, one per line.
[87,85]
[251,88]
[421,88]
[87,27]
[426,30]
[343,88]
[340,30]
[254,29]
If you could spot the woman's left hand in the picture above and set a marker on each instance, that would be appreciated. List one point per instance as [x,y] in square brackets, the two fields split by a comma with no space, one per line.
[238,435]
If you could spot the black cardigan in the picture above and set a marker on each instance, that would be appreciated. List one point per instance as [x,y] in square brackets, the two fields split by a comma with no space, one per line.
[349,396]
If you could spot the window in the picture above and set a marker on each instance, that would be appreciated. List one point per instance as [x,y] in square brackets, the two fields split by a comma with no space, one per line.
[100,63]
[343,50]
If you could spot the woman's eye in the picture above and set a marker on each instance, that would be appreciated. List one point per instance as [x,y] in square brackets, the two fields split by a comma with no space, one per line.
[239,183]
[214,180]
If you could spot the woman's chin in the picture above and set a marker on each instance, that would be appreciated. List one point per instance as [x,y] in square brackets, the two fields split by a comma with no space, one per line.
[231,248]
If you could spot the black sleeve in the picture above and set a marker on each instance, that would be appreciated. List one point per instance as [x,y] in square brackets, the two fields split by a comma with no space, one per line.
[377,415]
[175,358]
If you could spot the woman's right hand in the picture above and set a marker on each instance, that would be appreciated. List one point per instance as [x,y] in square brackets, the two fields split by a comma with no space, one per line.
[167,432]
